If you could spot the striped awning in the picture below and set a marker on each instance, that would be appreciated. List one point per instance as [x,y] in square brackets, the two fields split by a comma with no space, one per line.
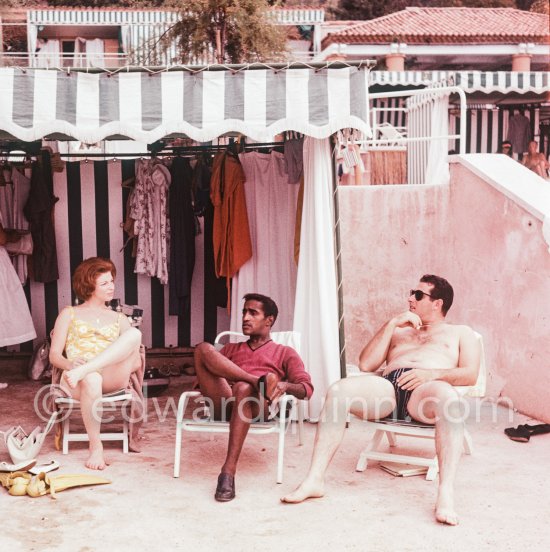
[470,81]
[147,106]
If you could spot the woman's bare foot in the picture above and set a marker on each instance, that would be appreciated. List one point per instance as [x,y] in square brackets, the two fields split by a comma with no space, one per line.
[308,489]
[74,376]
[444,508]
[96,461]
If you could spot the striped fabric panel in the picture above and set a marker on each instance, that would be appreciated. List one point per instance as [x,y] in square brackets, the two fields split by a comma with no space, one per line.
[503,81]
[486,129]
[147,107]
[88,214]
[396,118]
[469,81]
[257,103]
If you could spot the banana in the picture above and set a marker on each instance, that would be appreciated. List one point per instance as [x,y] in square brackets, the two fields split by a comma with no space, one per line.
[43,484]
[15,482]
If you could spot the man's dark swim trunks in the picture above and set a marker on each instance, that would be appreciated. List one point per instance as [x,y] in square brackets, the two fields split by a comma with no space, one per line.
[402,396]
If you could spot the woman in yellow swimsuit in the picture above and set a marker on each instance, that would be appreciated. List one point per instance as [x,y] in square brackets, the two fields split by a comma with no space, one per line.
[101,348]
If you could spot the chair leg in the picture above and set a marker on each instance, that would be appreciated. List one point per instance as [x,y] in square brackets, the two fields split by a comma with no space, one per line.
[281,454]
[179,420]
[177,451]
[300,407]
[362,463]
[468,443]
[66,432]
[125,436]
[392,440]
[433,470]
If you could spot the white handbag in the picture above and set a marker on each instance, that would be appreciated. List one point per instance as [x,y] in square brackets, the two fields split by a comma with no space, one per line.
[23,447]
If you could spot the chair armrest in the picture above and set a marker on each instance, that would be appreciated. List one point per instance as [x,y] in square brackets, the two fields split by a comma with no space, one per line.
[182,403]
[230,333]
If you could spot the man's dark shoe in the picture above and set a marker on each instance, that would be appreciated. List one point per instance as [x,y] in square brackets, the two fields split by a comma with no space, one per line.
[225,491]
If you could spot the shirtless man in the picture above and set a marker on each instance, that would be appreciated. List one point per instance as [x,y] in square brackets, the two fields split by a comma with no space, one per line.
[424,358]
[535,161]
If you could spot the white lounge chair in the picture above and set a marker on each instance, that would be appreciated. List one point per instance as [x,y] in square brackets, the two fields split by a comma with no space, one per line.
[415,429]
[279,426]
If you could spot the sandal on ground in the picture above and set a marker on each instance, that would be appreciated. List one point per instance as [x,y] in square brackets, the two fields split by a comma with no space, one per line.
[522,433]
[44,468]
[20,466]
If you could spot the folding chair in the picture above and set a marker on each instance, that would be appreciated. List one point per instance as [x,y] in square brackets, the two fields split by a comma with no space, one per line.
[109,403]
[415,429]
[279,426]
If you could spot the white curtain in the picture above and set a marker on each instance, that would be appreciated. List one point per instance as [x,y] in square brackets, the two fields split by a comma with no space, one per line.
[437,170]
[316,310]
[89,53]
[49,54]
[95,51]
[125,38]
[79,57]
[32,35]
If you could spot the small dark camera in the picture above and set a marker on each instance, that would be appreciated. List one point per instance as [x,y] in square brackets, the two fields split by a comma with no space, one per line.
[116,305]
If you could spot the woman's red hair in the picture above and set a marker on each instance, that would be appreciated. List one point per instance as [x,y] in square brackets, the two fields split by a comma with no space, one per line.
[86,274]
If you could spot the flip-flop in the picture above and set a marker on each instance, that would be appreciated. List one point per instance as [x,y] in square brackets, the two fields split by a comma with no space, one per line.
[45,468]
[539,429]
[20,466]
[519,434]
[522,433]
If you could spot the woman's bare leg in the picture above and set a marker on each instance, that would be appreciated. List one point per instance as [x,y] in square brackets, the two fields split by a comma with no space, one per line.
[115,354]
[107,372]
[88,392]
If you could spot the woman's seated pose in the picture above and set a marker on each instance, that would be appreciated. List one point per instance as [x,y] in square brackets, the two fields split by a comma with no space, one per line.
[101,347]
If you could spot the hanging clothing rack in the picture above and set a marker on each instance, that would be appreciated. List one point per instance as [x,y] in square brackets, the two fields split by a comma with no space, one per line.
[167,151]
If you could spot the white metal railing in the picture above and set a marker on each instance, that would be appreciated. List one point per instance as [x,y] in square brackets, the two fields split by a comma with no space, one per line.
[295,16]
[427,93]
[38,61]
[424,144]
[112,60]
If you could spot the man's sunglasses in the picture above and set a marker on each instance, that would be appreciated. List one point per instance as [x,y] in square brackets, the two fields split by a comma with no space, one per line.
[418,294]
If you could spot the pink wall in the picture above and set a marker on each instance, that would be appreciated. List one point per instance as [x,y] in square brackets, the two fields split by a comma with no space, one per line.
[489,247]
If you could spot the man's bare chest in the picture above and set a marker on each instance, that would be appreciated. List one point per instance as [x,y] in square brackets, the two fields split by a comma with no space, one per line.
[444,341]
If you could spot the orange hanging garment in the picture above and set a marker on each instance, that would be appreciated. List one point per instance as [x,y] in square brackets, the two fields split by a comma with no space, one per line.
[231,234]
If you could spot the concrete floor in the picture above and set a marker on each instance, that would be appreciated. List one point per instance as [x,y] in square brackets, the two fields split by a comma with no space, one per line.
[503,495]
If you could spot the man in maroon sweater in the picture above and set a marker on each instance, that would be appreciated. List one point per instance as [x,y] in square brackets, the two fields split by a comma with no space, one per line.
[242,379]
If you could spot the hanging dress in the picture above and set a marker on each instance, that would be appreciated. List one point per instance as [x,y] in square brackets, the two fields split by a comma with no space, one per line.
[16,324]
[182,241]
[271,207]
[21,190]
[148,208]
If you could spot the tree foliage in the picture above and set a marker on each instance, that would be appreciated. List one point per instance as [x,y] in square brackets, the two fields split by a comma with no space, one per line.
[237,31]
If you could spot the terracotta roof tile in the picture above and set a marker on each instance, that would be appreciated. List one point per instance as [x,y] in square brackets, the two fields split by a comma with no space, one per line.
[448,25]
